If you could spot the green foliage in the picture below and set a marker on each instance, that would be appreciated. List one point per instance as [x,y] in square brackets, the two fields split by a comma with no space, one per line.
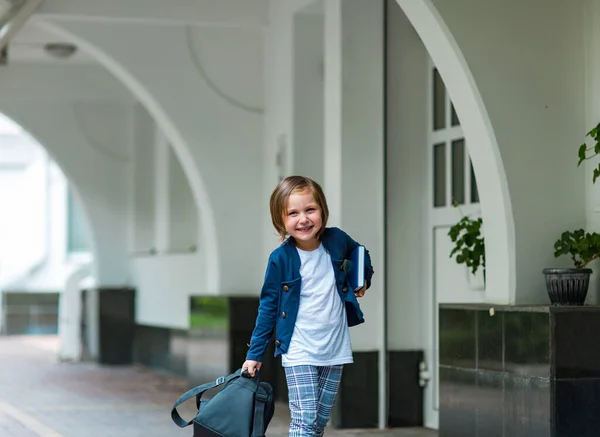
[584,149]
[207,312]
[469,244]
[581,246]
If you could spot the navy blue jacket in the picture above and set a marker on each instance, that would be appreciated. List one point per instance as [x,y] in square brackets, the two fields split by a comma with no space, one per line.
[280,295]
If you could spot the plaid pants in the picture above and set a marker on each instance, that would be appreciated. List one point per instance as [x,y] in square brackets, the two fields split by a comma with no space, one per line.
[312,391]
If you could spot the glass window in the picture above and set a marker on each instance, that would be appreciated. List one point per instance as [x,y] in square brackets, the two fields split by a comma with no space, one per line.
[439,101]
[439,174]
[458,170]
[474,190]
[455,121]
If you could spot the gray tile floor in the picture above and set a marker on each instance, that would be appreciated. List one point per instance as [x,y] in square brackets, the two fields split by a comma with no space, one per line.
[41,397]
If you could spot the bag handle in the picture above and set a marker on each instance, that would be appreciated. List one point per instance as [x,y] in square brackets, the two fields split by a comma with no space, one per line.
[198,391]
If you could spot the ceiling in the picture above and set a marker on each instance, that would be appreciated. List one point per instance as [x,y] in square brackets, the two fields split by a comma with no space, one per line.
[27,46]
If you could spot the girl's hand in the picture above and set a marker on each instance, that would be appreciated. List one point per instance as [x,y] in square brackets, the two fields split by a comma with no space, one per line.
[361,292]
[251,366]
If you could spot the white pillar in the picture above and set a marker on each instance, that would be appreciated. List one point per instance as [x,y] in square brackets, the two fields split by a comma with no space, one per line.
[333,110]
[354,151]
[69,315]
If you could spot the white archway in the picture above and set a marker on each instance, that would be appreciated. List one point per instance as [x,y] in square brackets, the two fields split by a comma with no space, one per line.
[206,226]
[72,181]
[483,147]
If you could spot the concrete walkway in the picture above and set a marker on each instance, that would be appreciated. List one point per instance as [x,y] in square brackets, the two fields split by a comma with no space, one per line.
[41,397]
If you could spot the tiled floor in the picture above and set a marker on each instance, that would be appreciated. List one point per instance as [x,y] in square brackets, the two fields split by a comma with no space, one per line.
[41,397]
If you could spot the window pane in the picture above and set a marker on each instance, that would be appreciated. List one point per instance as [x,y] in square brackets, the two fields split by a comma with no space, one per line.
[439,101]
[474,191]
[439,174]
[454,115]
[77,232]
[458,170]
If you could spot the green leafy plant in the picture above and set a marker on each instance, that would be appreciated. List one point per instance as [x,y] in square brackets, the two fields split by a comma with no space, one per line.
[581,246]
[469,244]
[584,149]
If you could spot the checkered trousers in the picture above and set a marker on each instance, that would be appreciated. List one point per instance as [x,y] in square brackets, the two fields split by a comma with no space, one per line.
[312,391]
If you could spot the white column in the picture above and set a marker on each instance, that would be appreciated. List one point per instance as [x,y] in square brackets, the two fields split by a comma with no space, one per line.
[354,151]
[161,174]
[69,314]
[333,110]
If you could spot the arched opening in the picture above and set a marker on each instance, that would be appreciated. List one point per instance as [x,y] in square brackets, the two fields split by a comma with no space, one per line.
[47,242]
[207,235]
[488,167]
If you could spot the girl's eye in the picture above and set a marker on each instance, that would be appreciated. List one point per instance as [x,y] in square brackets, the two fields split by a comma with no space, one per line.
[310,209]
[293,213]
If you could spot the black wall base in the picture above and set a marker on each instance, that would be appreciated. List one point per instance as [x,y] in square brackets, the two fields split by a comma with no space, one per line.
[523,371]
[357,404]
[116,323]
[161,348]
[404,392]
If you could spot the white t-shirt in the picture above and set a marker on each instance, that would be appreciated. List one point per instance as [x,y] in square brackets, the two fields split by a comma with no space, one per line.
[321,336]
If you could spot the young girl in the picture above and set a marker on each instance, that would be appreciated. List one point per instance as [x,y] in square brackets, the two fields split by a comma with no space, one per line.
[306,300]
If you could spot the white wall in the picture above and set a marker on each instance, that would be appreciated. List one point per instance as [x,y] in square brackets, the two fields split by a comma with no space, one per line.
[406,168]
[527,59]
[309,77]
[592,118]
[164,284]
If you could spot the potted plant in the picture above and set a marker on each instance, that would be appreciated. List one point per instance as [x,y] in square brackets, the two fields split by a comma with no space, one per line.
[469,244]
[569,286]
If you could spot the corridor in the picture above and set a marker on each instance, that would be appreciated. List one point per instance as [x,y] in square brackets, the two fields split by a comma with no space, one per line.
[41,397]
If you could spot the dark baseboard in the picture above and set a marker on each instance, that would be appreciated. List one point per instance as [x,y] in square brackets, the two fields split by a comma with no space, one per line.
[357,404]
[161,349]
[404,392]
[116,323]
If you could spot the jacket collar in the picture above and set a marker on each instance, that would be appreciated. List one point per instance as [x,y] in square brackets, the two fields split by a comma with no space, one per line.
[290,248]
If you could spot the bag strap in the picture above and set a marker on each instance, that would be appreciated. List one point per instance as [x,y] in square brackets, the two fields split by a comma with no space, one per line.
[195,392]
[258,427]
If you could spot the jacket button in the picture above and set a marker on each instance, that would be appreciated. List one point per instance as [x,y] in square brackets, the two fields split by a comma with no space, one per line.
[286,288]
[283,314]
[277,342]
[345,289]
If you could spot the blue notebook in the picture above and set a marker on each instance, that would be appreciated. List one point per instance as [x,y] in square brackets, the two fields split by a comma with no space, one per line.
[356,273]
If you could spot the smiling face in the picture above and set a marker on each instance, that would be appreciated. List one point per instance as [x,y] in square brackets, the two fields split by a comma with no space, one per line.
[302,219]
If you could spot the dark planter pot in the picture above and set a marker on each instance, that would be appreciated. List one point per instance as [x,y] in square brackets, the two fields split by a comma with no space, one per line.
[567,286]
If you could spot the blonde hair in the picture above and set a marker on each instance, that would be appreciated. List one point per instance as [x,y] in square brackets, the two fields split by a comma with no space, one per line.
[281,194]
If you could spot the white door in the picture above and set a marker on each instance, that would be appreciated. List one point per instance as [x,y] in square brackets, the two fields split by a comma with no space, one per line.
[450,176]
